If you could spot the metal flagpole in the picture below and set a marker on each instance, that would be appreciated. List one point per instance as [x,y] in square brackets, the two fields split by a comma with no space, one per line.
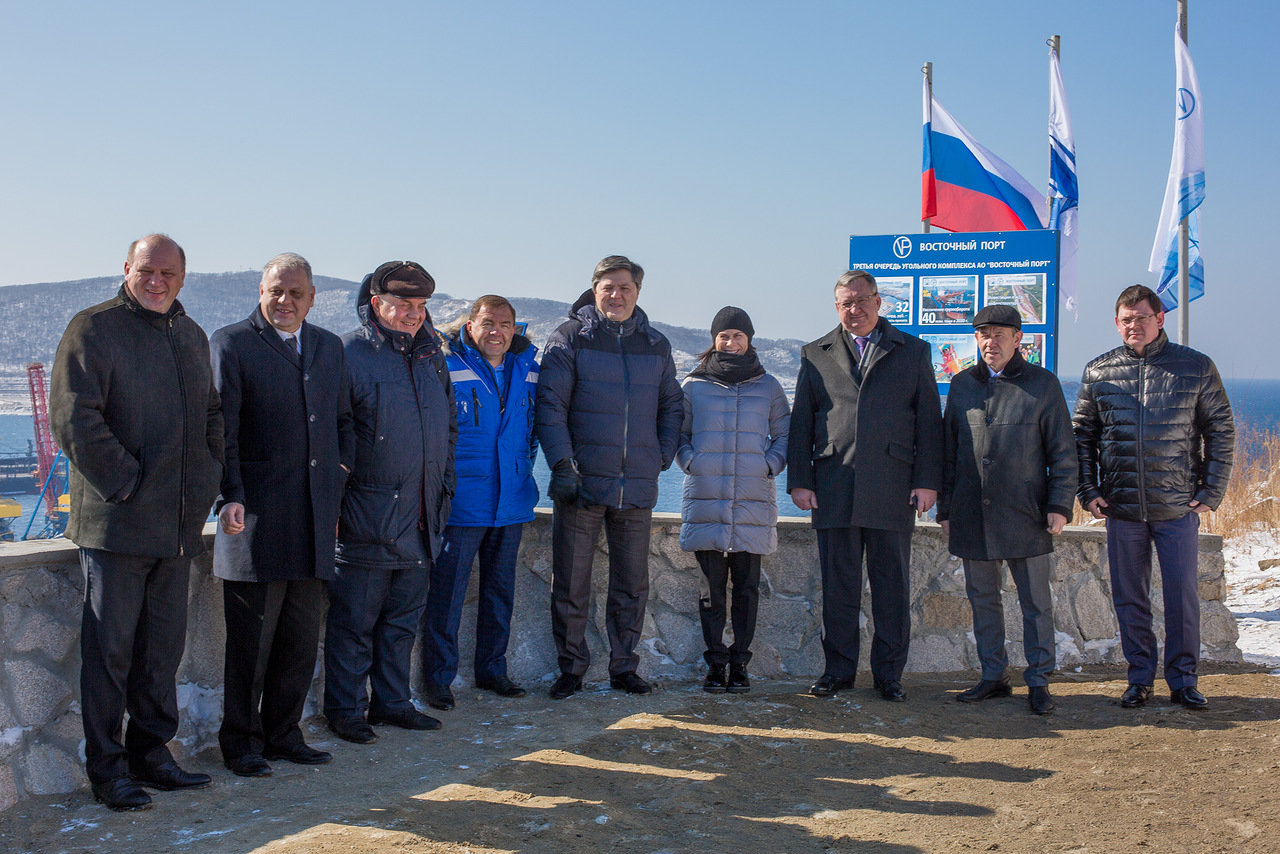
[928,85]
[1055,46]
[1184,237]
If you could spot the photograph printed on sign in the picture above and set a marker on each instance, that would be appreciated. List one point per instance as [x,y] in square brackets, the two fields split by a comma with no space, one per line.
[1032,348]
[895,298]
[947,300]
[1023,291]
[951,354]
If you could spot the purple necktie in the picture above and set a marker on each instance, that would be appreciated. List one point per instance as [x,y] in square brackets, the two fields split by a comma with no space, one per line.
[862,345]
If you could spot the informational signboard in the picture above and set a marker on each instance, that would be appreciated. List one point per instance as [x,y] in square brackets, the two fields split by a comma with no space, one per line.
[932,285]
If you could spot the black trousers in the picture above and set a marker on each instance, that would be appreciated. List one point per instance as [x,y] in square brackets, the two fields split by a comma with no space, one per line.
[132,632]
[373,620]
[718,569]
[273,636]
[888,555]
[574,531]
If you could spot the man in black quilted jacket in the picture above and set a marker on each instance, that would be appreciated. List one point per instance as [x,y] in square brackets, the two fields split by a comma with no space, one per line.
[1155,437]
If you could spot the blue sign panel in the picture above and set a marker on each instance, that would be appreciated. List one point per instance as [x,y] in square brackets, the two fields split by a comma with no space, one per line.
[931,285]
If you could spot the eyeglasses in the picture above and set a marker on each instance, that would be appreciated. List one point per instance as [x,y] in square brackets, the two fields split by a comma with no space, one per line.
[1134,320]
[861,302]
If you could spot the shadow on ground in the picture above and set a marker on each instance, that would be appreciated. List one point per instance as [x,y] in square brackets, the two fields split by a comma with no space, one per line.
[772,771]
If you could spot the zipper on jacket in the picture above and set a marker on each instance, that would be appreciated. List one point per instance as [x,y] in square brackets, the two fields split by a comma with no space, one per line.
[422,438]
[1142,468]
[475,412]
[182,480]
[626,417]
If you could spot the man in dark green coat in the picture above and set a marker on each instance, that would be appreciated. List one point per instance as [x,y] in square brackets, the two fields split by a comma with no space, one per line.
[1008,483]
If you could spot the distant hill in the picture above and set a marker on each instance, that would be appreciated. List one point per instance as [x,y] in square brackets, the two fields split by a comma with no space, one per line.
[33,317]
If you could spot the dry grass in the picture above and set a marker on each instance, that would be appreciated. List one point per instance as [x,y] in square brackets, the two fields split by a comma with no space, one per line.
[1252,502]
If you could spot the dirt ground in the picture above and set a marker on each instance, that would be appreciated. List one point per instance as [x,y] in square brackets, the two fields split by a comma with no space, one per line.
[772,771]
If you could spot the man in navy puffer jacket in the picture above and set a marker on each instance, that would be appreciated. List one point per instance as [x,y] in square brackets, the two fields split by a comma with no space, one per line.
[494,371]
[608,417]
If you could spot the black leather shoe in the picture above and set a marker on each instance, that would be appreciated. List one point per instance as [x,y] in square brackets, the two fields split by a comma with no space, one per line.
[987,689]
[298,754]
[631,683]
[438,696]
[738,681]
[248,765]
[566,686]
[1039,700]
[1135,695]
[715,682]
[828,685]
[502,686]
[121,794]
[167,777]
[353,729]
[1189,698]
[891,690]
[406,718]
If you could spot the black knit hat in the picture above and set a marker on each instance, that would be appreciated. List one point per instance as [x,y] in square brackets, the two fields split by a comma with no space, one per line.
[732,317]
[402,279]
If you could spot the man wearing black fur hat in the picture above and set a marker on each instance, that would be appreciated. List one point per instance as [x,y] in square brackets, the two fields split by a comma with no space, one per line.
[396,503]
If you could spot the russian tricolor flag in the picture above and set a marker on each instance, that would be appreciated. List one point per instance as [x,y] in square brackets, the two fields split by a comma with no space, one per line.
[964,187]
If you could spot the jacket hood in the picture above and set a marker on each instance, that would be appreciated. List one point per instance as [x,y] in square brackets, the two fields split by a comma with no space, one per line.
[585,312]
[456,339]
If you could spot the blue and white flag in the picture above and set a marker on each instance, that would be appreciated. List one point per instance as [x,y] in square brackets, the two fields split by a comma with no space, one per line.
[1185,189]
[1064,193]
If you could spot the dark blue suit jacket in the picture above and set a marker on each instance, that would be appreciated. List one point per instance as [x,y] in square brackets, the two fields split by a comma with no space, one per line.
[288,433]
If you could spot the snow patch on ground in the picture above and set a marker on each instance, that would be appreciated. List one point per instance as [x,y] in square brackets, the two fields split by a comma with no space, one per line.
[1253,596]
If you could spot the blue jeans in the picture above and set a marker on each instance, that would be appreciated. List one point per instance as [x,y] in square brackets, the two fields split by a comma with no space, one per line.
[1129,554]
[498,548]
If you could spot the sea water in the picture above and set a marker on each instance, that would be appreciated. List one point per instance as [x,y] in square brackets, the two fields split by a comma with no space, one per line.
[1256,404]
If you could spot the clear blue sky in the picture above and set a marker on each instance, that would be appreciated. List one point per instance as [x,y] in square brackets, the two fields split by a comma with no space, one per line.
[730,147]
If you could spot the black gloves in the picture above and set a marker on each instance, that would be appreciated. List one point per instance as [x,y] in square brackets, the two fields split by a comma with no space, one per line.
[565,481]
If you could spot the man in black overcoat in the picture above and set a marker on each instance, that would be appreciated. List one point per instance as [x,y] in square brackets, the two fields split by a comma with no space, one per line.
[865,456]
[290,445]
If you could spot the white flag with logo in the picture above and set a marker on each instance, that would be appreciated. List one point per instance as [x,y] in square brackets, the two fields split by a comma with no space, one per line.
[1064,191]
[1185,188]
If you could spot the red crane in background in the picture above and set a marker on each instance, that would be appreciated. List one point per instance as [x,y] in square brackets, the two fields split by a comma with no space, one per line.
[46,450]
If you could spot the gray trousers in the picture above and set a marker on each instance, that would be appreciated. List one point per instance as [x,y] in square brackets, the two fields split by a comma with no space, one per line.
[1031,576]
[574,531]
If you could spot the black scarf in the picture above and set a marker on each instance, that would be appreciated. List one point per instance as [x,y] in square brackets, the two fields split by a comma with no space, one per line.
[730,368]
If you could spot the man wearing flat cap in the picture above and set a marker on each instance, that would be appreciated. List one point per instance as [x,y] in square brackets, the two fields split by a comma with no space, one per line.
[395,506]
[1008,481]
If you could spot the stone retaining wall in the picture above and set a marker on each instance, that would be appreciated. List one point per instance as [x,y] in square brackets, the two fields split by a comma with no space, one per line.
[41,588]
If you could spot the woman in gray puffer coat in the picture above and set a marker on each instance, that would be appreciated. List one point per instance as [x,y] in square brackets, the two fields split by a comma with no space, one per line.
[733,443]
